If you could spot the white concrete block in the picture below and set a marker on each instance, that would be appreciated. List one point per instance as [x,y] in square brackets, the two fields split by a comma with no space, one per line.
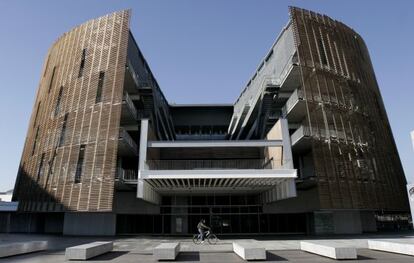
[12,249]
[90,250]
[166,251]
[330,251]
[400,246]
[249,250]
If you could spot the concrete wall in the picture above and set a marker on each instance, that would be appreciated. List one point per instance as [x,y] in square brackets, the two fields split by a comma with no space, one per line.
[347,222]
[306,201]
[128,203]
[90,224]
[343,222]
[50,223]
[53,223]
[368,222]
[274,153]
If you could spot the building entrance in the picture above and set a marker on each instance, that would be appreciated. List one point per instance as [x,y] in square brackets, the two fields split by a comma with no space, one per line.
[230,214]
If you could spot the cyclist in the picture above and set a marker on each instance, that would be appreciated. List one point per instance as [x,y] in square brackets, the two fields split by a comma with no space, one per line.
[201,228]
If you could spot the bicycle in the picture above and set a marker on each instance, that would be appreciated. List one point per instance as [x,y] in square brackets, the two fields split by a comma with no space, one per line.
[208,235]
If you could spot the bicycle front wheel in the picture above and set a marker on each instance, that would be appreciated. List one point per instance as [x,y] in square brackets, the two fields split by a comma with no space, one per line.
[197,239]
[212,239]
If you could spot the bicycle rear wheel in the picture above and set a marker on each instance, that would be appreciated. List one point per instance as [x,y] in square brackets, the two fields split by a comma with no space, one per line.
[212,239]
[197,239]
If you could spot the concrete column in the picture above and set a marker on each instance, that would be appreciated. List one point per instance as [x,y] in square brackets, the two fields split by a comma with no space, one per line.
[144,190]
[143,142]
[287,146]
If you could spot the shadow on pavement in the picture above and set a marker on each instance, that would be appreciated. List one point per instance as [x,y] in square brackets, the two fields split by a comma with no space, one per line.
[359,257]
[109,256]
[270,256]
[188,256]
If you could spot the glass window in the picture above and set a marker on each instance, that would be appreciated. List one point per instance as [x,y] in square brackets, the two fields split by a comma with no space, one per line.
[79,165]
[100,86]
[82,64]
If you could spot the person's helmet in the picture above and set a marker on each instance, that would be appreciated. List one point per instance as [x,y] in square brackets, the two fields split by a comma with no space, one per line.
[203,220]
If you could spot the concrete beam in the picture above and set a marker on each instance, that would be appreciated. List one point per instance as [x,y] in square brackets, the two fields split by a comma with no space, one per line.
[204,144]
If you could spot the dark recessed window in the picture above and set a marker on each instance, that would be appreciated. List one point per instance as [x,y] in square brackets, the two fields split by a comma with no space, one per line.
[322,52]
[63,131]
[79,165]
[82,64]
[58,101]
[51,167]
[47,65]
[35,140]
[37,113]
[40,170]
[51,79]
[100,86]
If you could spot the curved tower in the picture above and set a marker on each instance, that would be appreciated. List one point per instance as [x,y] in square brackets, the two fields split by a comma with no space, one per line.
[69,157]
[355,158]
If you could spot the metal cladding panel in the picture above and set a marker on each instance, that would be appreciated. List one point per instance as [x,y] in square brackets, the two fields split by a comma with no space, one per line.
[67,116]
[355,156]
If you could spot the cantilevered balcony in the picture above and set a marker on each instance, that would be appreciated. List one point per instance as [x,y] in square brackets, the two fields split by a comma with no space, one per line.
[227,166]
[126,145]
[290,77]
[131,79]
[295,107]
[212,164]
[129,113]
[126,175]
[301,139]
[133,83]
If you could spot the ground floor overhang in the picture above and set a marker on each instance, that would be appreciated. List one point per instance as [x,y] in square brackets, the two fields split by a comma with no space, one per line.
[272,184]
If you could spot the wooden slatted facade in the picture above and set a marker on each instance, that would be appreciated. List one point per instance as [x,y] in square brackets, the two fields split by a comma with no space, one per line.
[67,116]
[355,157]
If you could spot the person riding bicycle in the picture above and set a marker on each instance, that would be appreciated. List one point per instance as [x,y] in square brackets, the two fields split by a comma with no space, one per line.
[201,229]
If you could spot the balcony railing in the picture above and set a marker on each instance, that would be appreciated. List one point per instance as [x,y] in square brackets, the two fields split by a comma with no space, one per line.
[131,70]
[126,175]
[302,131]
[140,83]
[127,100]
[210,164]
[331,134]
[296,96]
[124,136]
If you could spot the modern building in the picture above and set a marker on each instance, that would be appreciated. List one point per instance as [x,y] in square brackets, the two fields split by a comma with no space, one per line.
[305,148]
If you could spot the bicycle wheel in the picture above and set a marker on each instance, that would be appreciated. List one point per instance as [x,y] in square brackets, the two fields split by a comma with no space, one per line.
[212,239]
[196,239]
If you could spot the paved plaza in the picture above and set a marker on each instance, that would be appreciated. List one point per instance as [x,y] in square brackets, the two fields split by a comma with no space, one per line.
[139,248]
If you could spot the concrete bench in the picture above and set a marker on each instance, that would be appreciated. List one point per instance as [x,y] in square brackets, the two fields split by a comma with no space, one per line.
[330,251]
[90,250]
[12,249]
[400,246]
[166,251]
[249,250]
